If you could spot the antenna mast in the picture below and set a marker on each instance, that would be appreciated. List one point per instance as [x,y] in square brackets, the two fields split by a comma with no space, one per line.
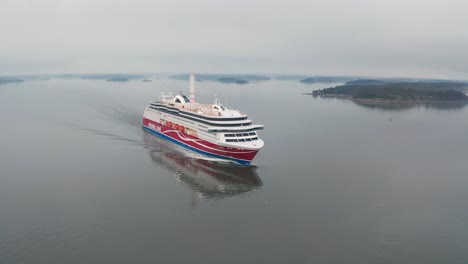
[192,88]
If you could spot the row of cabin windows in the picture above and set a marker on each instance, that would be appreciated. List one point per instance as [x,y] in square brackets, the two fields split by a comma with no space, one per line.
[242,139]
[181,120]
[240,135]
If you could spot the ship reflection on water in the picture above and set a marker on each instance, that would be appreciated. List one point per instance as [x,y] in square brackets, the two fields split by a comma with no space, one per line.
[207,178]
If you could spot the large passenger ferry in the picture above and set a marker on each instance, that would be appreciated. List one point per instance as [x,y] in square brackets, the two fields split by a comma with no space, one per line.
[210,129]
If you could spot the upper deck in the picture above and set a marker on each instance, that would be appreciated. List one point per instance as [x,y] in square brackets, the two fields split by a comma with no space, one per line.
[182,103]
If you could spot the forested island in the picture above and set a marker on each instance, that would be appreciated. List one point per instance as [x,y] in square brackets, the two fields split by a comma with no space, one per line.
[9,79]
[110,76]
[232,80]
[118,79]
[224,78]
[327,79]
[378,90]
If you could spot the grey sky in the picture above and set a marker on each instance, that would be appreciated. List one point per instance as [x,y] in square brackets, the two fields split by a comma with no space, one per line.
[356,37]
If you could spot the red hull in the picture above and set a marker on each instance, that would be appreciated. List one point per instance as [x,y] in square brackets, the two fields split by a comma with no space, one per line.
[243,156]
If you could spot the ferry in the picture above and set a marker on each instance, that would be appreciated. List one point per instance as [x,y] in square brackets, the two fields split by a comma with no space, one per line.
[209,129]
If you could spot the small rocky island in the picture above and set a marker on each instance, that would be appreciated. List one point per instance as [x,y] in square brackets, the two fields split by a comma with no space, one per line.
[387,91]
[224,78]
[232,80]
[9,79]
[327,79]
[118,79]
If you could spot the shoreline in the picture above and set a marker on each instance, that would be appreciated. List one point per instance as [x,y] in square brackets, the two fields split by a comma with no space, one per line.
[381,100]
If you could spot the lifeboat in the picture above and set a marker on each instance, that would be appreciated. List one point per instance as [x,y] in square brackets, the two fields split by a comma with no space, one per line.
[181,128]
[169,124]
[176,126]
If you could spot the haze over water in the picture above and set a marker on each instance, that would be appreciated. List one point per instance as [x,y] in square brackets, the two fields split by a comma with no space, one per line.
[81,182]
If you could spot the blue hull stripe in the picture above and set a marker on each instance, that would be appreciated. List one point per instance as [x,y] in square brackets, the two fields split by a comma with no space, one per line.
[194,149]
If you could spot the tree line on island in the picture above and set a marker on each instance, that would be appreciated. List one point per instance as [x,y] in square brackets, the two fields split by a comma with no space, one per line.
[10,79]
[382,90]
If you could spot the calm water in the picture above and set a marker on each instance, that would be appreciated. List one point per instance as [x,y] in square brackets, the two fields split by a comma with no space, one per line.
[337,182]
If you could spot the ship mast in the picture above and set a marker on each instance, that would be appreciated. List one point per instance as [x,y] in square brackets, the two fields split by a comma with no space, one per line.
[192,88]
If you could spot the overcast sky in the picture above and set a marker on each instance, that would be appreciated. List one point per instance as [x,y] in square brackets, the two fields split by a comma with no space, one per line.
[420,38]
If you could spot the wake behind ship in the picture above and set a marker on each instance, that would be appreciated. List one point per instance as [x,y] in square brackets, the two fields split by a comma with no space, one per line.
[210,129]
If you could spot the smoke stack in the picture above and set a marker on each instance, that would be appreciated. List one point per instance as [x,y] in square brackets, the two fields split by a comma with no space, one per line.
[192,88]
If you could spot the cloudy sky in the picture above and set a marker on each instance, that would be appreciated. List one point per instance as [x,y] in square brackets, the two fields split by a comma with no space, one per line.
[420,38]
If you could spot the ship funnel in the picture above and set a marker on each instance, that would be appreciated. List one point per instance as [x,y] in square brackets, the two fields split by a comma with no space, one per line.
[192,88]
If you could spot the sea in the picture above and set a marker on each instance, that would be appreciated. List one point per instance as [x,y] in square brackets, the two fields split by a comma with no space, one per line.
[337,181]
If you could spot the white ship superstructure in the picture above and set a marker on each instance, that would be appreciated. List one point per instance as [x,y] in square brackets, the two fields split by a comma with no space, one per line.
[211,129]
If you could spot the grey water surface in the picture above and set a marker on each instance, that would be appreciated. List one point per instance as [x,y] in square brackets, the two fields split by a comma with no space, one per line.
[337,181]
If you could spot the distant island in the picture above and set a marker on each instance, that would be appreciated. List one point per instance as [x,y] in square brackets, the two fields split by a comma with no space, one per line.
[327,79]
[232,80]
[289,77]
[146,80]
[387,91]
[118,79]
[112,77]
[225,78]
[9,79]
